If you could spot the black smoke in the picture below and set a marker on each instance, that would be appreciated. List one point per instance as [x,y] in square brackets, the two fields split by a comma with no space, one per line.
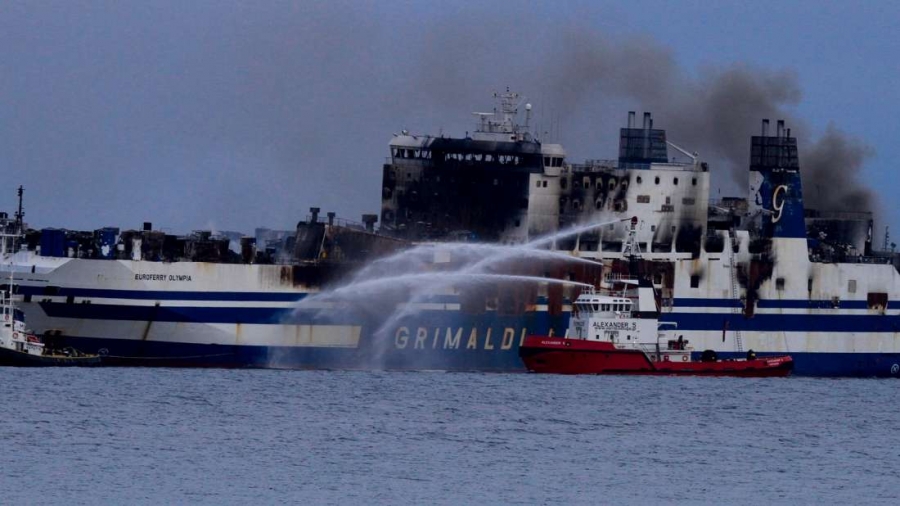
[713,110]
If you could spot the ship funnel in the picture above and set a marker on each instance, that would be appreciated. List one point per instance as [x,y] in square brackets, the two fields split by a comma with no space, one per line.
[647,121]
[765,128]
[369,220]
[331,216]
[776,193]
[630,119]
[314,211]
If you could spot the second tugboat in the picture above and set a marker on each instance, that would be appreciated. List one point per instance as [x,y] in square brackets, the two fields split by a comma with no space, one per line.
[20,347]
[617,331]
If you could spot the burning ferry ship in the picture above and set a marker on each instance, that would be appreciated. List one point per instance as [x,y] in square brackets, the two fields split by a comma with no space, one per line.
[759,273]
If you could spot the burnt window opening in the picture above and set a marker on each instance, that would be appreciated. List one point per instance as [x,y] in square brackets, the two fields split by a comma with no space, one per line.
[599,204]
[563,182]
[545,184]
[653,228]
[639,180]
[675,181]
[612,184]
[576,205]
[877,301]
[668,200]
[695,281]
[779,284]
[656,180]
[809,285]
[694,181]
[518,222]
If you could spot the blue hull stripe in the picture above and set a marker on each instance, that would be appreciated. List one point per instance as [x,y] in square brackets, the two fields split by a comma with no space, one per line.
[94,293]
[686,321]
[126,352]
[779,304]
[37,292]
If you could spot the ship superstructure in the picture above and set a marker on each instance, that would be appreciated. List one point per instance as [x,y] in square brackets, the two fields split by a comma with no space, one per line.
[760,273]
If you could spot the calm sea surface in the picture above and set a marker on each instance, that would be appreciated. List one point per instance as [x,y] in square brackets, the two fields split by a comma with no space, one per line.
[164,436]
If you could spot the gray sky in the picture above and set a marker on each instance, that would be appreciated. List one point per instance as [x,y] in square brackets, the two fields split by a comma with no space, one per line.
[235,115]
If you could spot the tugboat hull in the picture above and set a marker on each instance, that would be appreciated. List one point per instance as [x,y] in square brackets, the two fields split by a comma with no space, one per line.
[552,355]
[19,359]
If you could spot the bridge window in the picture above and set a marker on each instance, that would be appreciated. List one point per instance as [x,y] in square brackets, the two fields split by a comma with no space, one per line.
[779,284]
[695,281]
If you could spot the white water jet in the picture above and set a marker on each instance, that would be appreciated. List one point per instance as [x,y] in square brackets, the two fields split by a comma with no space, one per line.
[376,280]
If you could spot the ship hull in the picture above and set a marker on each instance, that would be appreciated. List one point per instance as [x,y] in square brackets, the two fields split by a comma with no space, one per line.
[254,316]
[574,356]
[12,358]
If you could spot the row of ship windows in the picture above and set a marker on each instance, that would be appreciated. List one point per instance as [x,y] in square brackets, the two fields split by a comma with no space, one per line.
[876,300]
[603,307]
[553,161]
[563,183]
[656,180]
[425,154]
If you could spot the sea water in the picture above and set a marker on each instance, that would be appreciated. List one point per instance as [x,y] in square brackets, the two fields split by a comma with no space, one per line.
[168,436]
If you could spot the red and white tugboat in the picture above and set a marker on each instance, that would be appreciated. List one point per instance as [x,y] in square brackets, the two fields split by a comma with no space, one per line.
[617,331]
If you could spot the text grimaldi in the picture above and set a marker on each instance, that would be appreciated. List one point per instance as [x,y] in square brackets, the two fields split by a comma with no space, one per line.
[450,338]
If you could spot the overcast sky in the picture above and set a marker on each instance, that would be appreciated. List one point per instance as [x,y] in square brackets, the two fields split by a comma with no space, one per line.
[233,115]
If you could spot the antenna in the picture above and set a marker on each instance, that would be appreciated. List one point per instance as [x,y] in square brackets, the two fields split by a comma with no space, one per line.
[887,238]
[20,214]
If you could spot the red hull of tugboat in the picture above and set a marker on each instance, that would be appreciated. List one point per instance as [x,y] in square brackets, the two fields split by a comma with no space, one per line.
[555,355]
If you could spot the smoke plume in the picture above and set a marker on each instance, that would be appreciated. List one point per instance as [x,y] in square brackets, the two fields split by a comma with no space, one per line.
[713,111]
